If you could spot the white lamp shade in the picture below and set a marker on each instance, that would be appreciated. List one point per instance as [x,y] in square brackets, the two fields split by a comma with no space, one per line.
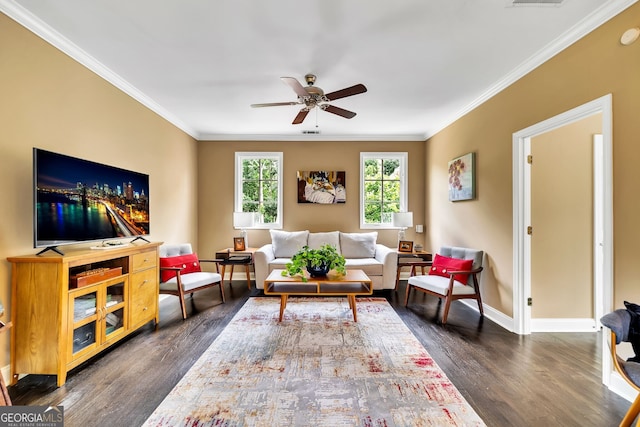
[402,219]
[243,219]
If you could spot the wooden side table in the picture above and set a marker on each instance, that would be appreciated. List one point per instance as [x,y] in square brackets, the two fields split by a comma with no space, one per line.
[229,257]
[413,259]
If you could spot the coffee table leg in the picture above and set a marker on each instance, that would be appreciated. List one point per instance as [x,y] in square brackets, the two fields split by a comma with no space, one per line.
[352,304]
[283,305]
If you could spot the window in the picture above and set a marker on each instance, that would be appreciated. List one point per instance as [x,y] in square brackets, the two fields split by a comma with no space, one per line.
[383,188]
[258,187]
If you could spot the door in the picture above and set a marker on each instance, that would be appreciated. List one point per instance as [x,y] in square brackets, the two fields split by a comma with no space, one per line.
[562,218]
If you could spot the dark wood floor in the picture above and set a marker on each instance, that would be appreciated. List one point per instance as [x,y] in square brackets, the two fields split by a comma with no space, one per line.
[544,379]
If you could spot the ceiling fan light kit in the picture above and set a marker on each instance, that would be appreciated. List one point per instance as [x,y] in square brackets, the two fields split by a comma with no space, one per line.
[312,96]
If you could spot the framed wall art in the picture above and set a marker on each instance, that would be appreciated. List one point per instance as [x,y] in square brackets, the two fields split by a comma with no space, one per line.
[323,187]
[462,183]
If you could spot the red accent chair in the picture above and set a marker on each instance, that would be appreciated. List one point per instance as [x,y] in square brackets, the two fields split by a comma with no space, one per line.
[180,273]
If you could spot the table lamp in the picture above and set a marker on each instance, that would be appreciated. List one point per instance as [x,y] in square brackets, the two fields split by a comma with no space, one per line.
[242,221]
[402,220]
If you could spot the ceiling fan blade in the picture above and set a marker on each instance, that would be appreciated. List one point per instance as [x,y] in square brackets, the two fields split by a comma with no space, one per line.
[349,91]
[300,117]
[339,111]
[274,104]
[295,85]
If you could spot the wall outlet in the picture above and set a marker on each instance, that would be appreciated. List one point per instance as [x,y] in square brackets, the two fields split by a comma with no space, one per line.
[419,228]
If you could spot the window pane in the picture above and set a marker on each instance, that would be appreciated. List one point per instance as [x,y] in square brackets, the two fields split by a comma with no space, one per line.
[372,168]
[373,190]
[391,168]
[270,212]
[250,190]
[391,191]
[270,191]
[269,169]
[251,169]
[372,213]
[383,187]
[259,185]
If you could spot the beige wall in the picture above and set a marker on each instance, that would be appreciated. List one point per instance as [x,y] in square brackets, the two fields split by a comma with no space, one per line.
[47,100]
[216,175]
[562,220]
[594,66]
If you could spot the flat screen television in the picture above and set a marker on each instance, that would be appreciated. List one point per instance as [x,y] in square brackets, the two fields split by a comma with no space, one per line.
[77,200]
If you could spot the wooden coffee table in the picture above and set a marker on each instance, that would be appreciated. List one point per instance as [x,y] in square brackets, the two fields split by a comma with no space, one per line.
[350,285]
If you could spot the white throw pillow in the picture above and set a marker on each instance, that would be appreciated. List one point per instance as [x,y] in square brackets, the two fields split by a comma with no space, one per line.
[287,243]
[358,245]
[316,240]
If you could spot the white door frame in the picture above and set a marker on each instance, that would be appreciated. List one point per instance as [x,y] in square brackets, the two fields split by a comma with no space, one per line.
[522,212]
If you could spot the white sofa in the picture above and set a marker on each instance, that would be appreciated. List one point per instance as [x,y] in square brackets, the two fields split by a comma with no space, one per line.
[360,250]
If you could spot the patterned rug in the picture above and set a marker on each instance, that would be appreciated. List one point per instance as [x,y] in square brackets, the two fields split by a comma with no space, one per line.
[316,368]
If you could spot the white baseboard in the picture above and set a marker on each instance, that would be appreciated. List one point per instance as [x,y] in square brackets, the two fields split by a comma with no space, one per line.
[619,386]
[563,325]
[492,314]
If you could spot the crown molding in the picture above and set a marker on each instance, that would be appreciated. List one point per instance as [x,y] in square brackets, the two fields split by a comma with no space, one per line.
[575,33]
[302,137]
[57,40]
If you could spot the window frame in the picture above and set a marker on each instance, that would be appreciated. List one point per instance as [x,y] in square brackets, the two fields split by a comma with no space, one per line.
[240,156]
[403,158]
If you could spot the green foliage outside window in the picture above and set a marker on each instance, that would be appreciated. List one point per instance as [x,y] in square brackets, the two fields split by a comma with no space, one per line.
[382,190]
[260,188]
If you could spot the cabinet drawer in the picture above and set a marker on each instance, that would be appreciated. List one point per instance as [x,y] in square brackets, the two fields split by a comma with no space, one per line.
[143,296]
[144,260]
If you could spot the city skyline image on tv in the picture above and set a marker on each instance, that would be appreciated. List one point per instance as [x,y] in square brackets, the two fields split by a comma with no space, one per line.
[78,200]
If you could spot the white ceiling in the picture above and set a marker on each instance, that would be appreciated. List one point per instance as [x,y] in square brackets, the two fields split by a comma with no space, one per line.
[201,63]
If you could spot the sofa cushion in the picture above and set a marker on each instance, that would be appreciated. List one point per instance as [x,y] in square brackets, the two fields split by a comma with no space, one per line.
[317,240]
[187,263]
[287,243]
[370,266]
[358,245]
[442,265]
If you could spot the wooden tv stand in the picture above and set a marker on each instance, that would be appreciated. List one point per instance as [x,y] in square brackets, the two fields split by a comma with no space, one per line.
[66,309]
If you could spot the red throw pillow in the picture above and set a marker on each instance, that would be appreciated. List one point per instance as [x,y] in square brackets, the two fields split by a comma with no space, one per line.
[187,263]
[442,265]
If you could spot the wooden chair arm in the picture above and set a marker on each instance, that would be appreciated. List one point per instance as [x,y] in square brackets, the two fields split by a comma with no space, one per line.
[170,269]
[474,271]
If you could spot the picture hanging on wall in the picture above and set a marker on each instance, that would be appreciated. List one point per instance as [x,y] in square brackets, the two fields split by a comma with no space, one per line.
[322,187]
[462,184]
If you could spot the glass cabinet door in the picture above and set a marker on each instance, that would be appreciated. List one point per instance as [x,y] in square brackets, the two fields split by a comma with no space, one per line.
[85,315]
[114,308]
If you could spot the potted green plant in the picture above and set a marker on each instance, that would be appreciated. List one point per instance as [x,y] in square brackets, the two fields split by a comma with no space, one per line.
[318,262]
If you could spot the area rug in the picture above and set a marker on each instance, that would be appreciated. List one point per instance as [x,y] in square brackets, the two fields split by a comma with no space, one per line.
[315,368]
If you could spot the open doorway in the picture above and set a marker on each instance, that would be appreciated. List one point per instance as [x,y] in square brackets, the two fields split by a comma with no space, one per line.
[603,216]
[603,230]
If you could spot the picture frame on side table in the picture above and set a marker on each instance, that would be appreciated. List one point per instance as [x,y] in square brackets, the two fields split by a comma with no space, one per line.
[238,244]
[405,246]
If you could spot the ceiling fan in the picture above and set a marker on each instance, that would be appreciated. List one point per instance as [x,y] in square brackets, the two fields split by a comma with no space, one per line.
[312,96]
